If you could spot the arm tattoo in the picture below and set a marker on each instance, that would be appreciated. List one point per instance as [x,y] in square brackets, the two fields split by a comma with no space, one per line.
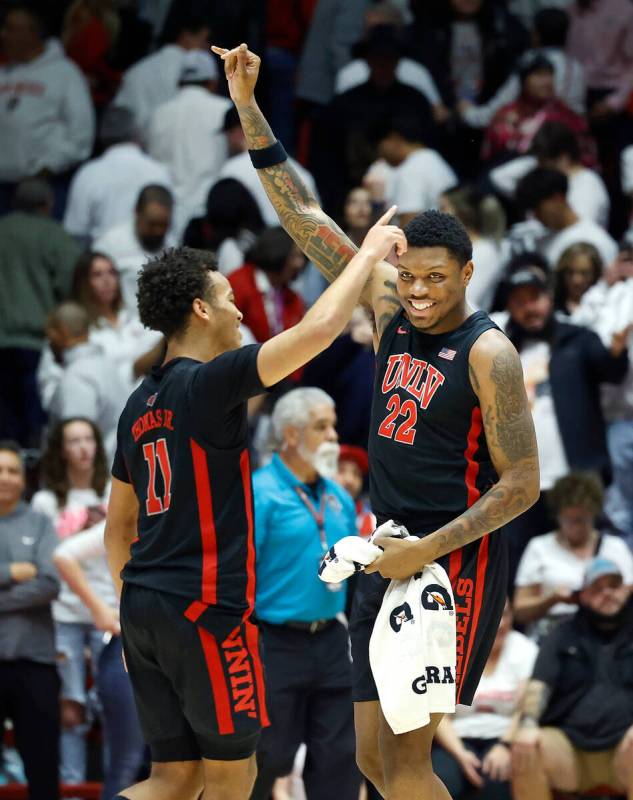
[510,433]
[513,428]
[390,299]
[321,239]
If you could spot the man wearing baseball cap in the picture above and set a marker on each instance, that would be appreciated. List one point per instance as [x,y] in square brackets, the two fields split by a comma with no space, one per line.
[563,366]
[576,727]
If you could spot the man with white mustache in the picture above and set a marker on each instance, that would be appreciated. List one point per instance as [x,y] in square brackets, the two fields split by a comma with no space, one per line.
[300,512]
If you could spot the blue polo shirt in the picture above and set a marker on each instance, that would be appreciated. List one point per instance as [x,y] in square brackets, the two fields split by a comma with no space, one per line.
[289,544]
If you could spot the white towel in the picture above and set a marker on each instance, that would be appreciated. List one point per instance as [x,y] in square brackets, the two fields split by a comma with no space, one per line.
[412,650]
[352,553]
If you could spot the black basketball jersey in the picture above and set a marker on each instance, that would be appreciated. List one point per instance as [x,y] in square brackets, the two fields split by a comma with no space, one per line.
[182,444]
[428,457]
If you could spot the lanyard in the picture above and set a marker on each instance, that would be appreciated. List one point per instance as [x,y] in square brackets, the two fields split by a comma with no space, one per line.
[317,516]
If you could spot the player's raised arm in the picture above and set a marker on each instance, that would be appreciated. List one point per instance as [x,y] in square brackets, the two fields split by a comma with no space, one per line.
[320,238]
[286,352]
[497,380]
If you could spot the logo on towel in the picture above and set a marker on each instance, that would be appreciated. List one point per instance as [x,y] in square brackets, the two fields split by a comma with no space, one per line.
[432,675]
[399,616]
[436,598]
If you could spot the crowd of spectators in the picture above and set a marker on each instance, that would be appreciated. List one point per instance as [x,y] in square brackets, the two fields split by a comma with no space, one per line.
[118,140]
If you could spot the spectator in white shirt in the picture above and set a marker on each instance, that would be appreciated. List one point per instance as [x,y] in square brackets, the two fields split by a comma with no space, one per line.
[544,193]
[193,152]
[119,333]
[484,219]
[550,35]
[143,235]
[552,567]
[103,192]
[90,385]
[240,168]
[46,117]
[154,79]
[414,175]
[557,147]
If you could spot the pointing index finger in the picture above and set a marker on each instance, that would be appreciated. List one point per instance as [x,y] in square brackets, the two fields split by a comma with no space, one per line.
[387,216]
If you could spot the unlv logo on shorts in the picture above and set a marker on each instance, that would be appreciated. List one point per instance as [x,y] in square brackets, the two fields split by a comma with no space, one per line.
[399,616]
[436,598]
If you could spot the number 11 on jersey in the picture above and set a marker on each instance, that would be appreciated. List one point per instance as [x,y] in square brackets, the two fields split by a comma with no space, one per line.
[153,452]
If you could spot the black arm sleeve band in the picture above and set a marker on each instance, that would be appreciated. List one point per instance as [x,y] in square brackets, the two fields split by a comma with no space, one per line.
[268,156]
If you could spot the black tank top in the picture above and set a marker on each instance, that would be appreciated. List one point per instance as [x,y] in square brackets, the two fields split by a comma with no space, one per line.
[428,457]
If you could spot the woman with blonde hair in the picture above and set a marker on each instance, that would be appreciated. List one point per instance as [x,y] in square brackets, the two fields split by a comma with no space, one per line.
[578,269]
[484,219]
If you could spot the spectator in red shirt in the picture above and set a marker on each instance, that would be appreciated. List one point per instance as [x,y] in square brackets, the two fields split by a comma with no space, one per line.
[515,125]
[262,286]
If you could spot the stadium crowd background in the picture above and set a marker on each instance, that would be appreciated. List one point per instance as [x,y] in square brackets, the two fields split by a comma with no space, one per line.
[117,140]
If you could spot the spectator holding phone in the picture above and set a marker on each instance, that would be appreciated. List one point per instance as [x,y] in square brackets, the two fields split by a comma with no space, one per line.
[551,569]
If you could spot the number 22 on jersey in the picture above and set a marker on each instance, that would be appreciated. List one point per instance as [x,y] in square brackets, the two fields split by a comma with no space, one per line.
[156,453]
[405,432]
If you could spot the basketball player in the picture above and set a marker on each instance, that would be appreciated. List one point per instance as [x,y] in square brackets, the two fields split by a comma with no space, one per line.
[179,532]
[452,448]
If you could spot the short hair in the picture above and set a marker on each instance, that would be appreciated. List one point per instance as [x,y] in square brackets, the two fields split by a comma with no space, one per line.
[154,193]
[551,25]
[582,489]
[11,446]
[72,316]
[294,409]
[270,250]
[168,285]
[554,139]
[411,127]
[525,260]
[540,184]
[117,126]
[33,194]
[436,229]
[231,208]
[33,10]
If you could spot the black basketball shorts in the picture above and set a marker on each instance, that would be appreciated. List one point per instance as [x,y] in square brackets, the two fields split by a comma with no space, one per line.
[198,695]
[479,577]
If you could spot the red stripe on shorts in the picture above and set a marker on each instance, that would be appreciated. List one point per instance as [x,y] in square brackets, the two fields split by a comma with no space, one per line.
[245,469]
[207,524]
[480,582]
[472,467]
[218,682]
[252,645]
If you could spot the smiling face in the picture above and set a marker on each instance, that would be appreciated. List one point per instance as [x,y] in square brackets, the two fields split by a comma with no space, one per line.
[11,480]
[224,315]
[431,286]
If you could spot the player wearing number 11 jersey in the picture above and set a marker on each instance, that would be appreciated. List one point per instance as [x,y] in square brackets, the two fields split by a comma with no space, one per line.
[179,529]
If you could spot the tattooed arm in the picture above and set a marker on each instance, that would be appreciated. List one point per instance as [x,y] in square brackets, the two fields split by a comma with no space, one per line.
[497,380]
[320,238]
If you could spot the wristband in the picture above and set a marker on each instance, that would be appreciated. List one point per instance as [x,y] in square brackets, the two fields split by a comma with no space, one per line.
[268,156]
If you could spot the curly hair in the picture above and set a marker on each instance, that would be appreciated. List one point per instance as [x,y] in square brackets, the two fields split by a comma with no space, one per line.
[436,229]
[168,285]
[53,466]
[582,489]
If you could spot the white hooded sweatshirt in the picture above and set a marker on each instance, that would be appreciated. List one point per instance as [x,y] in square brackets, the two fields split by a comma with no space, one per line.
[46,115]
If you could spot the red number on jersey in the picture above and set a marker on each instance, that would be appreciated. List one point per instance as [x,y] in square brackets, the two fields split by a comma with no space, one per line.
[153,451]
[406,430]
